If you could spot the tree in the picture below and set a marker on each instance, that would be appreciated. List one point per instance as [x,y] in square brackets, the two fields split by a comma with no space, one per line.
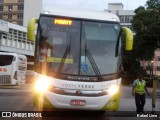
[146,24]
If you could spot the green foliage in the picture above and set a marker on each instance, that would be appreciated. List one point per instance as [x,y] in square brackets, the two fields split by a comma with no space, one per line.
[139,9]
[153,4]
[146,24]
[149,81]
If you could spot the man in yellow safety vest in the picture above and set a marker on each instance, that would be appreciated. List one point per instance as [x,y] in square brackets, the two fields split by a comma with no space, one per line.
[138,90]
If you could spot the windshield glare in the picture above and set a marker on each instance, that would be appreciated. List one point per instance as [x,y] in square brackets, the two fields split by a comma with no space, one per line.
[63,47]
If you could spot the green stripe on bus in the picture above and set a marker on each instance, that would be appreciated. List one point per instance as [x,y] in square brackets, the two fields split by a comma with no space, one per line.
[45,102]
[113,103]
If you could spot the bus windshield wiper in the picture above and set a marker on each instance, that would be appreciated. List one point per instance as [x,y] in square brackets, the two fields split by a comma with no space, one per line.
[93,63]
[67,50]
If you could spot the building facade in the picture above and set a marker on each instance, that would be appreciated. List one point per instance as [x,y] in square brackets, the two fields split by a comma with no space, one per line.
[13,38]
[125,16]
[12,11]
[152,67]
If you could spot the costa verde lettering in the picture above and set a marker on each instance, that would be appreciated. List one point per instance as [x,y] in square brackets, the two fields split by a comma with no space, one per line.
[77,85]
[69,85]
[85,86]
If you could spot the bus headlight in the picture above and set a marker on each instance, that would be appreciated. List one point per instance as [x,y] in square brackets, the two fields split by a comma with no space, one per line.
[113,89]
[42,85]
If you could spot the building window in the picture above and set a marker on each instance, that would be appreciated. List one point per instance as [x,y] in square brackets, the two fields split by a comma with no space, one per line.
[130,18]
[20,0]
[158,68]
[20,7]
[10,7]
[1,8]
[20,16]
[1,16]
[9,16]
[1,1]
[122,19]
[127,19]
[158,57]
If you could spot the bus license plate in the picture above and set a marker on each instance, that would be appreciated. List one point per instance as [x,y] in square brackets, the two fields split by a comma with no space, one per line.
[78,102]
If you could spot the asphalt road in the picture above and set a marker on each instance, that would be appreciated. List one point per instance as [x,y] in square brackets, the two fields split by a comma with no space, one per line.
[20,99]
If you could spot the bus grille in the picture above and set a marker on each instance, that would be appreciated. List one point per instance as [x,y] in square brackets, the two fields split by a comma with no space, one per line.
[5,79]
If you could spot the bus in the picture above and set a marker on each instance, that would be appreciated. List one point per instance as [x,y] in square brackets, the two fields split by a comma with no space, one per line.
[78,59]
[13,68]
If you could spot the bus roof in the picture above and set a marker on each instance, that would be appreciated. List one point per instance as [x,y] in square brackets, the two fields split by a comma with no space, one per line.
[14,54]
[85,14]
[7,53]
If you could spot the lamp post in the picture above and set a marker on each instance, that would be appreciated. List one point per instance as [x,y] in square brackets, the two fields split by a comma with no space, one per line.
[152,69]
[154,92]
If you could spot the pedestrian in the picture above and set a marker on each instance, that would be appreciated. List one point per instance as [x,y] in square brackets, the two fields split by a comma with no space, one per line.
[138,90]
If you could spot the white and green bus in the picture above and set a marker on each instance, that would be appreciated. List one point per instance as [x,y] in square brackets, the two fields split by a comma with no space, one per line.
[78,59]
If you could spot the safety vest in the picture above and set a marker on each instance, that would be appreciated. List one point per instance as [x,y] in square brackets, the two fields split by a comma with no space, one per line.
[140,87]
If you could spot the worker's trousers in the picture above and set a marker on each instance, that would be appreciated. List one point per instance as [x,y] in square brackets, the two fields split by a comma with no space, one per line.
[140,102]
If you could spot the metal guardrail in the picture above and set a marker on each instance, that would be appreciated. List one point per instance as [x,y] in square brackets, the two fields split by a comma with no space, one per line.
[17,44]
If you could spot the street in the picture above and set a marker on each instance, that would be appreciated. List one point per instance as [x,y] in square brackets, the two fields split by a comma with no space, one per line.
[20,99]
[16,99]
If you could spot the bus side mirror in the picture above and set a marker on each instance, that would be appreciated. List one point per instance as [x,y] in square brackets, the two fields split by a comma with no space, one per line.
[31,29]
[128,38]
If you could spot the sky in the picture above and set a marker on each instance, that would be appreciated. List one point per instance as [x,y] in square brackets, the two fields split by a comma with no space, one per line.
[93,4]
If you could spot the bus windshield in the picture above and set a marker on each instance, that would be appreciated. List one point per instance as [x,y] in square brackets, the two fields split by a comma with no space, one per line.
[6,60]
[63,45]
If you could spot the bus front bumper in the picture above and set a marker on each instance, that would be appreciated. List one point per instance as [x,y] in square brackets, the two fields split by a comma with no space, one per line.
[53,100]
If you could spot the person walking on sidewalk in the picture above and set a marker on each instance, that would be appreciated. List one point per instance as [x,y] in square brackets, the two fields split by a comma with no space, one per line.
[138,90]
